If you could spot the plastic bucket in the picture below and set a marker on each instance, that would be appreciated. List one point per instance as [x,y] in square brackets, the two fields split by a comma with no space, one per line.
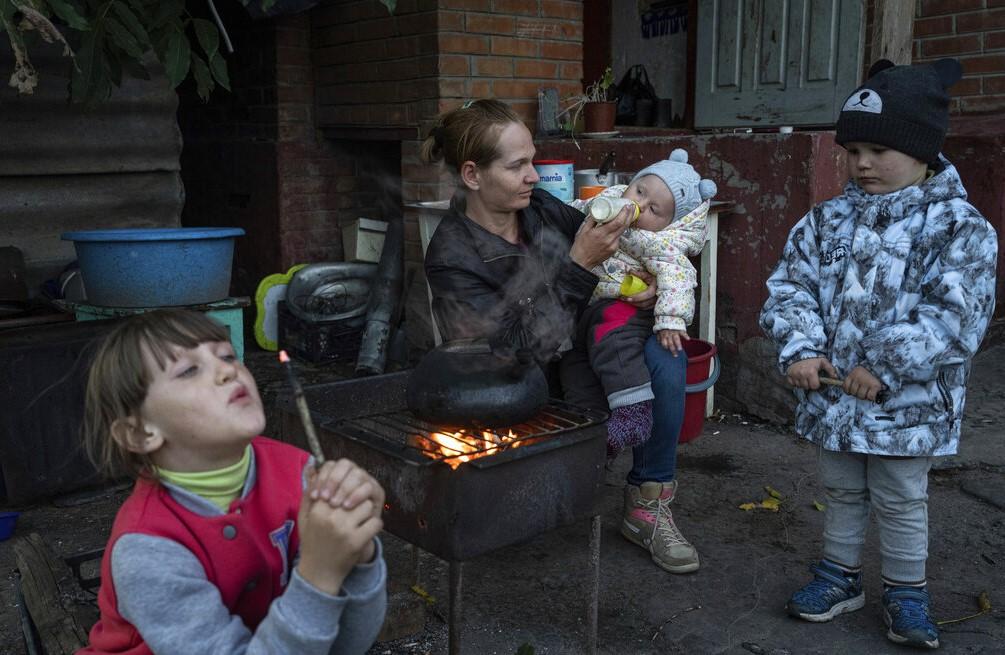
[8,520]
[702,372]
[155,267]
[556,178]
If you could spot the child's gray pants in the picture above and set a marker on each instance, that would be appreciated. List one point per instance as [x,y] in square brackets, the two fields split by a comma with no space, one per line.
[896,489]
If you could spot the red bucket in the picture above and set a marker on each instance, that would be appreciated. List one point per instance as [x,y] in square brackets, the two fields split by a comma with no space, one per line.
[702,373]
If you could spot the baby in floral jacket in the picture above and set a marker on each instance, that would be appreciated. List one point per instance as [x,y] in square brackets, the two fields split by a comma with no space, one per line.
[673,203]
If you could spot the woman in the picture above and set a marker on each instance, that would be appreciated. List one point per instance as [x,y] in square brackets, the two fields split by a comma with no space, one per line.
[511,263]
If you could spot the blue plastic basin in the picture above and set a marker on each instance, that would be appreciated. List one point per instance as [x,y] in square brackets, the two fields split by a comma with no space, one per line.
[8,520]
[155,267]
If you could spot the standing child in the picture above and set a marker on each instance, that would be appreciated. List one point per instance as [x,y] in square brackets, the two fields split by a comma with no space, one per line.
[673,204]
[229,542]
[890,286]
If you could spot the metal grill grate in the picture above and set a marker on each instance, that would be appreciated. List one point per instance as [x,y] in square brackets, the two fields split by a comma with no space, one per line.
[401,430]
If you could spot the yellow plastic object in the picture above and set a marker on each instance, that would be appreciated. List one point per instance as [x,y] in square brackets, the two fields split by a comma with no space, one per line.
[270,291]
[632,284]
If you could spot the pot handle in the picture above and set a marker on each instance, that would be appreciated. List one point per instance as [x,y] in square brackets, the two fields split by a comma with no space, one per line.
[713,377]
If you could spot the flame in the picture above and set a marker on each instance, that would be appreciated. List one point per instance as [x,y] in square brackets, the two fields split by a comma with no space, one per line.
[458,447]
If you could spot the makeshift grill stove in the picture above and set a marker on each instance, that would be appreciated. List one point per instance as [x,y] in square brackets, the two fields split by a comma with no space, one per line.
[469,493]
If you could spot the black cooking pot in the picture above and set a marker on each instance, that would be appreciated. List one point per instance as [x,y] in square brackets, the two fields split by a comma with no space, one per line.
[467,382]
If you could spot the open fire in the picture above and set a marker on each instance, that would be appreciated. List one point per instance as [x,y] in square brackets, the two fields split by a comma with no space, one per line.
[458,447]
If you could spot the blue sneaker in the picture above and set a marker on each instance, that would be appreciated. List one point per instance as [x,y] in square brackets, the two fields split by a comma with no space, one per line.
[905,610]
[830,593]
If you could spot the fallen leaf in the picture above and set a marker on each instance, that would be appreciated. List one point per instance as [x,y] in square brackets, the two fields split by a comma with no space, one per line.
[771,503]
[819,506]
[423,594]
[748,506]
[983,602]
[774,493]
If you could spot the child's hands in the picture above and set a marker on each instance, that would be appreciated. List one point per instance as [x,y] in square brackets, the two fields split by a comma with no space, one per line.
[862,384]
[346,485]
[645,299]
[332,541]
[805,374]
[672,340]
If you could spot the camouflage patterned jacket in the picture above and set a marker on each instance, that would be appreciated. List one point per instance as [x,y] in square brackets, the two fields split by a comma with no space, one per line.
[902,284]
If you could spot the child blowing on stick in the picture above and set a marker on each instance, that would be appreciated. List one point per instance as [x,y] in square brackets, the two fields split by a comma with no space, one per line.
[230,542]
[890,286]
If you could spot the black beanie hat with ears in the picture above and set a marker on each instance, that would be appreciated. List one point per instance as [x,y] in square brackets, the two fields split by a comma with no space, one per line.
[901,107]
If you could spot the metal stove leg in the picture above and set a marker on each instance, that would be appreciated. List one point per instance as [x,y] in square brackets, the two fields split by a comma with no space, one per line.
[594,591]
[454,622]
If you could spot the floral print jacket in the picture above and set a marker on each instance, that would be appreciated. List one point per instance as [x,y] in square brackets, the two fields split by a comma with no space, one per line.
[664,254]
[902,284]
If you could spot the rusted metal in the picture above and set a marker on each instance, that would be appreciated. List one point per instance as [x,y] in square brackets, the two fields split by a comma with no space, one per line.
[484,504]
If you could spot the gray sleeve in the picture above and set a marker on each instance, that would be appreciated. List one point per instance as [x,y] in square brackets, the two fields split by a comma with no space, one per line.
[163,591]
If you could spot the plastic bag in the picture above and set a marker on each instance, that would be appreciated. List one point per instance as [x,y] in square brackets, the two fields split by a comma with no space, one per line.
[634,86]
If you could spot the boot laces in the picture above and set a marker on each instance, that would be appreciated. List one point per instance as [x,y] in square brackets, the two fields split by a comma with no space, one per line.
[663,523]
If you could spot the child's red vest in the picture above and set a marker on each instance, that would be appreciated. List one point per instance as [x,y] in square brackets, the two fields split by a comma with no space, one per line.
[246,553]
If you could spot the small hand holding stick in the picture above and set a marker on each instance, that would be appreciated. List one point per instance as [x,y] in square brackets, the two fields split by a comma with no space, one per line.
[305,412]
[834,382]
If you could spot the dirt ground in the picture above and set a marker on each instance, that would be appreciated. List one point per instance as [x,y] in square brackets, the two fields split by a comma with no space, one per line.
[531,598]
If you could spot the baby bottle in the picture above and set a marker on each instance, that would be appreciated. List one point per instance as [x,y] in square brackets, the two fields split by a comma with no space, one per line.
[604,209]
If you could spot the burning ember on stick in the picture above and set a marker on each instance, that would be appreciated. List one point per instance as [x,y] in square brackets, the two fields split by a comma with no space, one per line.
[305,412]
[457,447]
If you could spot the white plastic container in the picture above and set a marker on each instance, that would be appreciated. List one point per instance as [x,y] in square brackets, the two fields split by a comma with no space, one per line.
[363,240]
[556,178]
[605,209]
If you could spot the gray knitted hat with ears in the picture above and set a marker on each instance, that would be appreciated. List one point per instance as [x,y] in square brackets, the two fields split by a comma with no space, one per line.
[901,107]
[688,189]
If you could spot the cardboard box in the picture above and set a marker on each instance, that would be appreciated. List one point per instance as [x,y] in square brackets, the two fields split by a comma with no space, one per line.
[363,240]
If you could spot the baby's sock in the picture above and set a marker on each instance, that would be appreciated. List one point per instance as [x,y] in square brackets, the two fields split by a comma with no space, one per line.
[629,426]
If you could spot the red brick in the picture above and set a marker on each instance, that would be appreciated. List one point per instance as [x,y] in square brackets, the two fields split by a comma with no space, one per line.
[968,86]
[453,65]
[463,44]
[535,68]
[559,30]
[504,45]
[424,23]
[472,5]
[401,69]
[994,40]
[932,26]
[562,9]
[515,7]
[994,85]
[980,21]
[492,66]
[452,88]
[553,50]
[515,88]
[480,88]
[450,21]
[983,64]
[937,7]
[953,45]
[982,105]
[573,71]
[488,24]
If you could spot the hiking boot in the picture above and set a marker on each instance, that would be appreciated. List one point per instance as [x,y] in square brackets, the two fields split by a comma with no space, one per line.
[905,610]
[831,592]
[649,523]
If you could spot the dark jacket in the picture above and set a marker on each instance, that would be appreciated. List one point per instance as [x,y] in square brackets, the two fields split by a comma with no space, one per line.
[524,296]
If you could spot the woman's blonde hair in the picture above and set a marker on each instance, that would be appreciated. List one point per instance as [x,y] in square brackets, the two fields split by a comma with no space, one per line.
[118,380]
[468,133]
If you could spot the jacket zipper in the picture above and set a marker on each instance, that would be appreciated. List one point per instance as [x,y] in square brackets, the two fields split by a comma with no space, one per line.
[947,398]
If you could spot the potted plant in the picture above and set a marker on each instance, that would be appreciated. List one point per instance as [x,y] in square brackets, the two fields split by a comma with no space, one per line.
[596,105]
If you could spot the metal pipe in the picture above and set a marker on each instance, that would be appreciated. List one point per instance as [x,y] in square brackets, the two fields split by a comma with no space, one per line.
[455,617]
[385,291]
[594,590]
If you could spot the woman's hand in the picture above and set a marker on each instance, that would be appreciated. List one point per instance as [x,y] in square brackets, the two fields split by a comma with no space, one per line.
[645,299]
[595,243]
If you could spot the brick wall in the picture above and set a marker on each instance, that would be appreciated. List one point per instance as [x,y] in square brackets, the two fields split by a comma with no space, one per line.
[974,32]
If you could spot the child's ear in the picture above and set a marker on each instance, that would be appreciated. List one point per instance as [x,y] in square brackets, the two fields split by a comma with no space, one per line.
[131,434]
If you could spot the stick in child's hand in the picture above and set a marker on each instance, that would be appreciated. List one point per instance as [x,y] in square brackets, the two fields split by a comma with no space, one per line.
[305,412]
[834,382]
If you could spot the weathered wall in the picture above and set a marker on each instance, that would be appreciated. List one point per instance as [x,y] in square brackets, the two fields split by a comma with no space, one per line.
[65,168]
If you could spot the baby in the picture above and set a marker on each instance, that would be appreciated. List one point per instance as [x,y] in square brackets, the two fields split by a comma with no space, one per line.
[673,203]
